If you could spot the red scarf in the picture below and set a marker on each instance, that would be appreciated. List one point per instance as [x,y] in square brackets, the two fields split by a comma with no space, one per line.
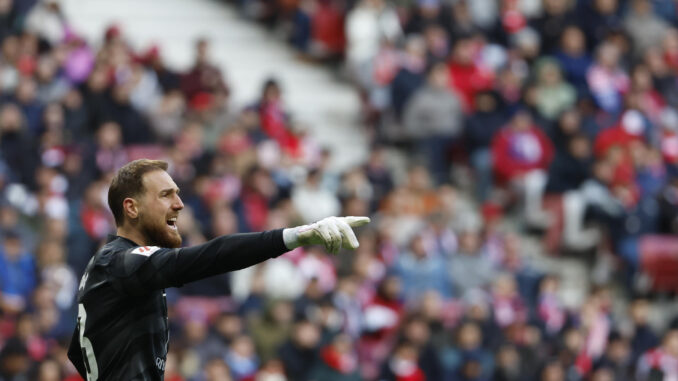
[343,363]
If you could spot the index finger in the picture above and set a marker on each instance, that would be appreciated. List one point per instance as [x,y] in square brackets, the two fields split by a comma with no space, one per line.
[349,239]
[355,221]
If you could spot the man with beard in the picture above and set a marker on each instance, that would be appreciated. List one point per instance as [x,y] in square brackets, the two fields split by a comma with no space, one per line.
[122,330]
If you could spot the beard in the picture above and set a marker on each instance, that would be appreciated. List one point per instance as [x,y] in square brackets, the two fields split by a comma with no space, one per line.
[158,233]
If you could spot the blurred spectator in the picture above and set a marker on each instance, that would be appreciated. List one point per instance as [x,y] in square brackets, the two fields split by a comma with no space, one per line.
[570,168]
[606,79]
[135,129]
[9,19]
[467,77]
[195,331]
[241,358]
[57,274]
[275,121]
[469,268]
[646,28]
[416,331]
[550,308]
[217,369]
[27,332]
[411,74]
[555,18]
[598,17]
[466,358]
[312,193]
[433,118]
[422,270]
[667,207]
[573,57]
[337,362]
[300,352]
[368,24]
[272,329]
[271,371]
[644,338]
[47,20]
[552,371]
[327,30]
[509,307]
[204,78]
[17,268]
[350,307]
[110,152]
[403,364]
[659,361]
[480,128]
[16,140]
[79,60]
[519,148]
[14,361]
[381,318]
[554,95]
[508,365]
[617,359]
[49,370]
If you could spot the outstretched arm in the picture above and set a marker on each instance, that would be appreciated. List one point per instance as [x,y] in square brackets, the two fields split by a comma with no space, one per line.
[238,251]
[154,268]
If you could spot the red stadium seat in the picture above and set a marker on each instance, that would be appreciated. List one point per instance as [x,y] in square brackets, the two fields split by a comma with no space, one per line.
[659,259]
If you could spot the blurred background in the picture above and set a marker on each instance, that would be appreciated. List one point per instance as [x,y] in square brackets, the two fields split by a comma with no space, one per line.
[519,160]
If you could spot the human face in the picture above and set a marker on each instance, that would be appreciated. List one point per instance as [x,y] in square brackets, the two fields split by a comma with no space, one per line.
[608,56]
[158,210]
[440,77]
[522,121]
[573,40]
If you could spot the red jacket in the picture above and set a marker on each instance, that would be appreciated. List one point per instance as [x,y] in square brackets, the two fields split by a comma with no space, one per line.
[327,27]
[515,153]
[274,124]
[467,80]
[612,137]
[669,145]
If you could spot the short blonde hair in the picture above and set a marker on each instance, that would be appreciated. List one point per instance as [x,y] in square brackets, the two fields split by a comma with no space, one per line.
[128,182]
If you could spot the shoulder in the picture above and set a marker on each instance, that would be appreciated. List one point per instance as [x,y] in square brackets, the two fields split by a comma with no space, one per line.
[144,251]
[120,245]
[121,257]
[131,260]
[26,259]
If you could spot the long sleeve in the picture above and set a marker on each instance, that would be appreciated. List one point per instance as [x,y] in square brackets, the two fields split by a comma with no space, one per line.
[227,253]
[143,269]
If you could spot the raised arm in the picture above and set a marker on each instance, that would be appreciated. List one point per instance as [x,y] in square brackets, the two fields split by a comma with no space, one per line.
[143,269]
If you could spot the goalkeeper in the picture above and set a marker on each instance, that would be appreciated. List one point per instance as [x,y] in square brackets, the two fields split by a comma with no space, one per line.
[122,332]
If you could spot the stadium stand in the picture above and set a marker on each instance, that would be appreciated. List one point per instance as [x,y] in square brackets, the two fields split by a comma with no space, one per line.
[519,120]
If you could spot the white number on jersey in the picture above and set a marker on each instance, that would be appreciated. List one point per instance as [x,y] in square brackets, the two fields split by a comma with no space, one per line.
[86,347]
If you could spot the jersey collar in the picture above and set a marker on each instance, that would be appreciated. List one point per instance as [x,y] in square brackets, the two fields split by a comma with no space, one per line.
[113,237]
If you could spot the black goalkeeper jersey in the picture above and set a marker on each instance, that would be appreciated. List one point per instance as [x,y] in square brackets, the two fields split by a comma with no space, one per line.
[122,330]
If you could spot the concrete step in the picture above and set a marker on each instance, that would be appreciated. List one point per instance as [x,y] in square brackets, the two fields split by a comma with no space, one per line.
[246,53]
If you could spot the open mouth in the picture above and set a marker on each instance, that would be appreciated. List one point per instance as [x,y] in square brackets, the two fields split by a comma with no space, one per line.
[172,223]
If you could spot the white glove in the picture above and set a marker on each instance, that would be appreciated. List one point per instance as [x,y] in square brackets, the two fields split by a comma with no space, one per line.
[331,232]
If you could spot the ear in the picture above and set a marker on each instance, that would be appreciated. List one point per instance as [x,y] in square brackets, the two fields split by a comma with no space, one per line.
[130,208]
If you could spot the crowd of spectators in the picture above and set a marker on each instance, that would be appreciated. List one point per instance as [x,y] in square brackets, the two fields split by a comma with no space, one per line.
[563,111]
[586,89]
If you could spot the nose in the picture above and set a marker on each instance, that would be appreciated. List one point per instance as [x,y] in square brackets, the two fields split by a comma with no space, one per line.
[178,204]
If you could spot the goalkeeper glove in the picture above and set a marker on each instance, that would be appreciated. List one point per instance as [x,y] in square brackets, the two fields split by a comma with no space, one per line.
[331,232]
